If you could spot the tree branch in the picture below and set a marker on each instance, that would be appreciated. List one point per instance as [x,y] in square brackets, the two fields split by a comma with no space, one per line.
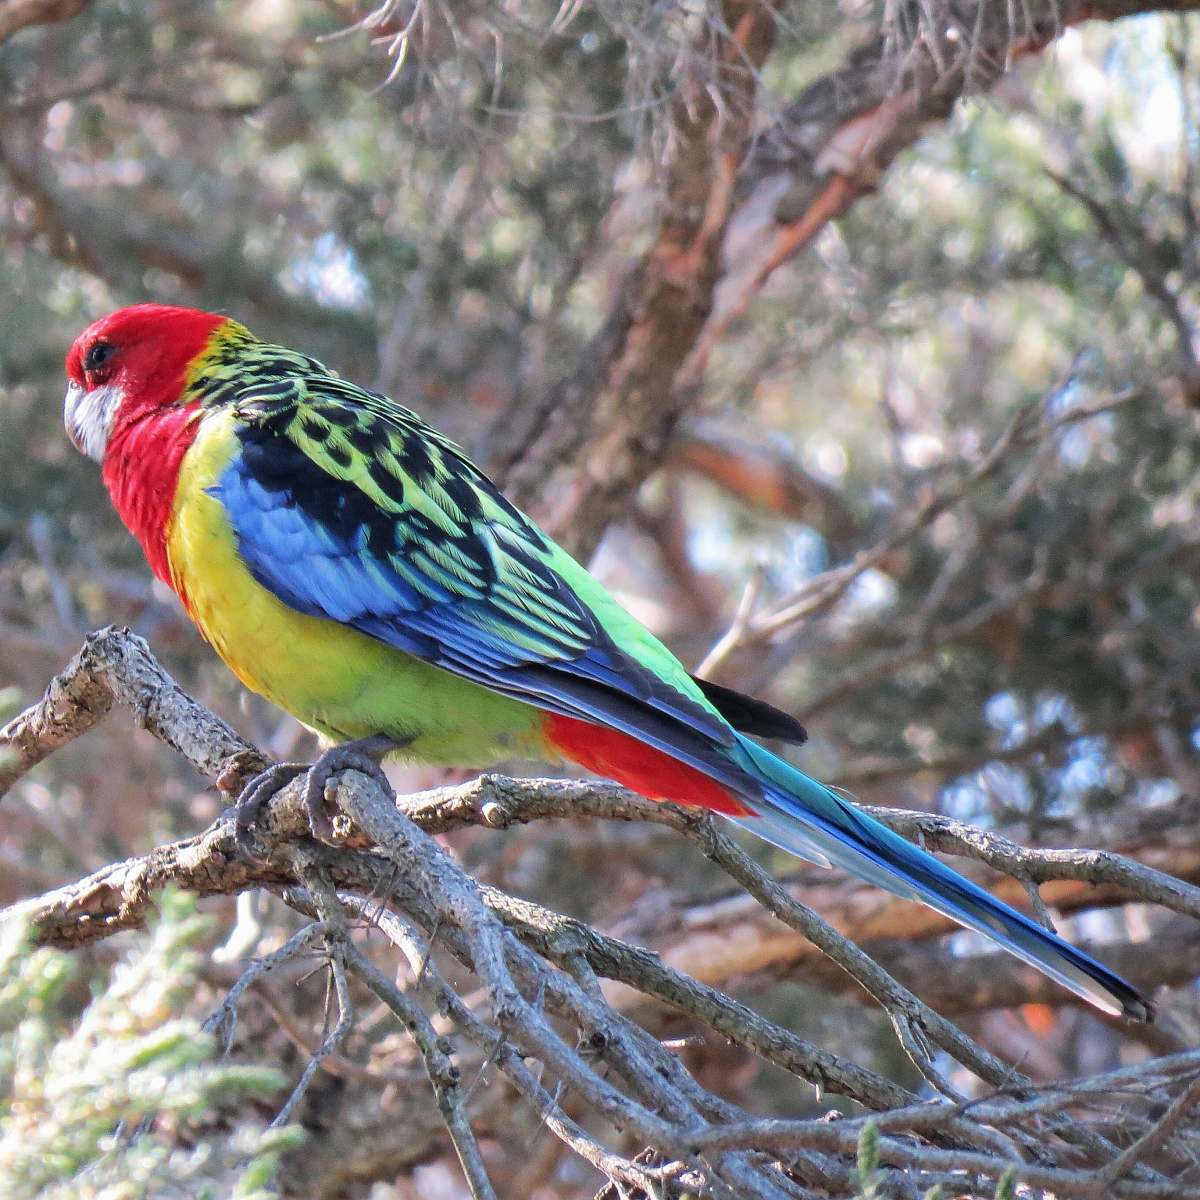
[116,667]
[541,974]
[831,145]
[616,415]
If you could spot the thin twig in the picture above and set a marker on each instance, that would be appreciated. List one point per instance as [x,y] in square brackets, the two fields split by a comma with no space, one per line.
[539,968]
[225,1017]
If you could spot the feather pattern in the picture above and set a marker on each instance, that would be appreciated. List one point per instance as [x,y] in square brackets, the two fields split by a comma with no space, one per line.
[349,507]
[346,507]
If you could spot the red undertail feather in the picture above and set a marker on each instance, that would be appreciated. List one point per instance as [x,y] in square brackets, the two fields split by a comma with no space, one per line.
[637,766]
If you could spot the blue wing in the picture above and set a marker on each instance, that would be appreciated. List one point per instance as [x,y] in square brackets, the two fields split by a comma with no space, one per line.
[355,512]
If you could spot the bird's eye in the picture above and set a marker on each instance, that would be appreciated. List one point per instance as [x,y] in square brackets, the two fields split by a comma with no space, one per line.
[98,355]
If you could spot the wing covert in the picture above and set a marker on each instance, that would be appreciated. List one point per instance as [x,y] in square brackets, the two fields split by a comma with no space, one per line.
[347,506]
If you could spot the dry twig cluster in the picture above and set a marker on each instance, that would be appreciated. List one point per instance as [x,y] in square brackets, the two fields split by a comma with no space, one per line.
[544,1018]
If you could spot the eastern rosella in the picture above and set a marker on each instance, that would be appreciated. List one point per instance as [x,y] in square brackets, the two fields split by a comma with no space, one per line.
[350,563]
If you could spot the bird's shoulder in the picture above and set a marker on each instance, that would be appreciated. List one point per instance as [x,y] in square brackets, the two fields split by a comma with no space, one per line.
[381,484]
[294,415]
[346,503]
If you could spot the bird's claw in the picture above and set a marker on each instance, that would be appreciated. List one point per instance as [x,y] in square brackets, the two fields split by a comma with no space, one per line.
[361,755]
[349,756]
[253,796]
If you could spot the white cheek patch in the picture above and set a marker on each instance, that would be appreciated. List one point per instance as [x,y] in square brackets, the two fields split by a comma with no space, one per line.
[89,417]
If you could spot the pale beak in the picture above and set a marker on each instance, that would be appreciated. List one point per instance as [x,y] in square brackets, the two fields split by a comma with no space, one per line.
[89,416]
[70,408]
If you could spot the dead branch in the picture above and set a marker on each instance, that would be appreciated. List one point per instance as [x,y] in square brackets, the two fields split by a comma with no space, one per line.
[542,974]
[116,667]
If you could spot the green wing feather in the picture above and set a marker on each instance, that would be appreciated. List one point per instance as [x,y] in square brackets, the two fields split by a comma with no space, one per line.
[347,505]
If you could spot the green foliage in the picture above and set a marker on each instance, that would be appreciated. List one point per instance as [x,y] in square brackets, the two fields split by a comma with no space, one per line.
[868,1161]
[1006,1187]
[123,1099]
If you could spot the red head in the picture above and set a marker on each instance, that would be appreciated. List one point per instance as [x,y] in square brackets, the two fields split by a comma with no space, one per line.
[128,365]
[124,408]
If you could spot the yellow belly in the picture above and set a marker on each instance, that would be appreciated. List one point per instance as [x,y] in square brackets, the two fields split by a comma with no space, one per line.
[331,677]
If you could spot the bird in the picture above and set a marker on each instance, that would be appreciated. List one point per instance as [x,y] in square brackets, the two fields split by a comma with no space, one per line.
[351,564]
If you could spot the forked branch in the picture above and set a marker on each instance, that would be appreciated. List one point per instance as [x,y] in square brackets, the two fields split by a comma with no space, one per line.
[553,1016]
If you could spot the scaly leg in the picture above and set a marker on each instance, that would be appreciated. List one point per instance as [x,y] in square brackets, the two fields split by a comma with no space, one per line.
[253,796]
[361,755]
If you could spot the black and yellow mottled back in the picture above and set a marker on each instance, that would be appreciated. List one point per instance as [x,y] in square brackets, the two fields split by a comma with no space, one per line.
[347,506]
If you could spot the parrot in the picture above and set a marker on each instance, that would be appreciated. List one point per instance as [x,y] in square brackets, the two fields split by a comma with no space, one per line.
[351,564]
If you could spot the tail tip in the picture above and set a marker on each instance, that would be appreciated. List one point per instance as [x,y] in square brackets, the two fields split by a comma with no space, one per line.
[1135,1007]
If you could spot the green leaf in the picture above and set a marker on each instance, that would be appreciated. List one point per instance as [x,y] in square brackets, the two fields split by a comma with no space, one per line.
[1006,1188]
[868,1159]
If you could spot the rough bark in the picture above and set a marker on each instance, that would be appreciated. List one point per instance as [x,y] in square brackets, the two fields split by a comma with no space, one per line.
[611,422]
[385,867]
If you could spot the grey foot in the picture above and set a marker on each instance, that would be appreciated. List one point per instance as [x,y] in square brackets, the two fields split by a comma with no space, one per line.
[361,755]
[254,795]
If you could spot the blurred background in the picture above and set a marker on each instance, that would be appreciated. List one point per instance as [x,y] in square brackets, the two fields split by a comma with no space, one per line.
[930,485]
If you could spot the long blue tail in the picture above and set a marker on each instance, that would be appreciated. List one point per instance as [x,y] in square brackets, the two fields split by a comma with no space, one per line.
[809,820]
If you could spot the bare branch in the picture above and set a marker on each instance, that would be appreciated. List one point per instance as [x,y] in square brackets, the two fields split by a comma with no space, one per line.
[116,667]
[831,145]
[542,974]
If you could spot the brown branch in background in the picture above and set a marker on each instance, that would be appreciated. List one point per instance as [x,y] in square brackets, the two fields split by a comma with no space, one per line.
[736,208]
[16,15]
[541,974]
[766,479]
[582,454]
[984,982]
[831,145]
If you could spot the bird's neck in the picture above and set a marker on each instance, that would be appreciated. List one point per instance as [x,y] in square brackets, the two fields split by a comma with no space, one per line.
[141,471]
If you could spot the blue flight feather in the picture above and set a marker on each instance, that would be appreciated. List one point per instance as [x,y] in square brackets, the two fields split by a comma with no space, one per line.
[465,593]
[808,819]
